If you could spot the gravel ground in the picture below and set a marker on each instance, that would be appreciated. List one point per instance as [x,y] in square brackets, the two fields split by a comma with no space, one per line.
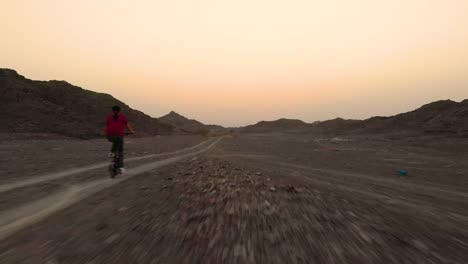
[258,199]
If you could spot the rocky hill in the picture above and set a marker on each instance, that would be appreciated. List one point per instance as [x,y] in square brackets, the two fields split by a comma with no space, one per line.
[58,107]
[437,117]
[184,124]
[277,125]
[440,117]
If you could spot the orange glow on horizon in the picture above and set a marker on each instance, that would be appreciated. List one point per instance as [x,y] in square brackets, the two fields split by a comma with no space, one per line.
[239,62]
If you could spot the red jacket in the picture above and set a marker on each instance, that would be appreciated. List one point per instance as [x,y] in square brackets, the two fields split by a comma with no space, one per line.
[116,128]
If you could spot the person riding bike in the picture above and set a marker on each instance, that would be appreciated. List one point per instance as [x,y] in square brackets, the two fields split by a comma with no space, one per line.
[115,132]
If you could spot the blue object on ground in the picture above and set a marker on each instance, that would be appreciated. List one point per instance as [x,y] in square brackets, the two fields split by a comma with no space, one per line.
[402,172]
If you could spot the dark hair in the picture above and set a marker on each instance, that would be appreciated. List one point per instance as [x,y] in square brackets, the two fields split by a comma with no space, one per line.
[116,110]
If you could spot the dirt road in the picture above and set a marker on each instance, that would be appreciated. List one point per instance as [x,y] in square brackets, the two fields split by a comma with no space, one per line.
[18,218]
[254,199]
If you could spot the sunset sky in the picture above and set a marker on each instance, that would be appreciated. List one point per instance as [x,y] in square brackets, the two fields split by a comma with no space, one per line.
[238,62]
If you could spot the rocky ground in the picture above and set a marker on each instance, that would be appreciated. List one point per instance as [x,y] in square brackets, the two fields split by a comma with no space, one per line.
[270,199]
[26,155]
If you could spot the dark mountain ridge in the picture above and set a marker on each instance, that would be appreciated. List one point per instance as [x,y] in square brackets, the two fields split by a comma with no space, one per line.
[58,107]
[184,124]
[440,117]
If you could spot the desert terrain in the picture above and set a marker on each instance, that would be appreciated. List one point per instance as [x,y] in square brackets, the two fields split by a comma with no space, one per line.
[240,198]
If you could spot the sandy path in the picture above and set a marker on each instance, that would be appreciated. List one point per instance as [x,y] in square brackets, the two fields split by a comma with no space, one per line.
[69,172]
[18,218]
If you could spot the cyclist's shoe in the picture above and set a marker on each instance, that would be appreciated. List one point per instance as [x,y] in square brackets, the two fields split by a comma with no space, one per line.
[111,155]
[122,170]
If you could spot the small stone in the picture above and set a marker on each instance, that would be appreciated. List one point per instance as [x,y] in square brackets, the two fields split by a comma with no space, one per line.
[136,226]
[272,189]
[212,243]
[112,238]
[123,209]
[292,189]
[230,210]
[240,251]
[100,226]
[365,236]
[420,245]
[144,188]
[258,174]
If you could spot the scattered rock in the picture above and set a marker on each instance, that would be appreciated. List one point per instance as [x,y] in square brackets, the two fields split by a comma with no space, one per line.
[144,188]
[122,209]
[240,251]
[101,226]
[272,189]
[230,210]
[420,245]
[292,189]
[136,226]
[112,238]
[365,236]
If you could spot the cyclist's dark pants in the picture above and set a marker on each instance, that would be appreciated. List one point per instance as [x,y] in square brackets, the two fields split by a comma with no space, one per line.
[117,148]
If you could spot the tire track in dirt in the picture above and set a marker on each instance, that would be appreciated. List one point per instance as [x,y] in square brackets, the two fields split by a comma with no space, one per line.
[328,177]
[69,172]
[18,218]
[273,160]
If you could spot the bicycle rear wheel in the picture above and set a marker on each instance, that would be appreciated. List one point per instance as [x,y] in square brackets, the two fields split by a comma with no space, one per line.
[112,170]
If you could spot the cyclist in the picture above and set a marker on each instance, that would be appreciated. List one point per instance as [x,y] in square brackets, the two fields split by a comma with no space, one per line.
[115,131]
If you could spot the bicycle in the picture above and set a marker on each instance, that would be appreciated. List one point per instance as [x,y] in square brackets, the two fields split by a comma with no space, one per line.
[114,168]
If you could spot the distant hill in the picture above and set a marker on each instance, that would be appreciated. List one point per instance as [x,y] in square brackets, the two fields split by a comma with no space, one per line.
[277,125]
[440,117]
[446,116]
[58,107]
[215,127]
[184,124]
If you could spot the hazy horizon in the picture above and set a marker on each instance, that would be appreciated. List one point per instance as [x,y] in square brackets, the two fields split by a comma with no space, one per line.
[237,63]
